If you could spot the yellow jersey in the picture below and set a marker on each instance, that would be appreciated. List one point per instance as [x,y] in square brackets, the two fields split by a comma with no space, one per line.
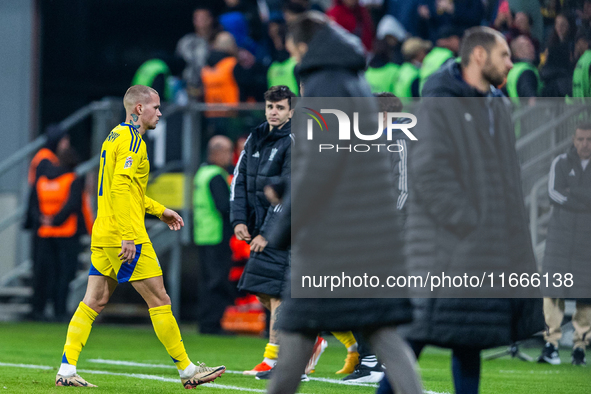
[122,181]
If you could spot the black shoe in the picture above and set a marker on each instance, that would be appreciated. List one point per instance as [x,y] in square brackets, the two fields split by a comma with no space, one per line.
[578,357]
[364,373]
[549,355]
[266,375]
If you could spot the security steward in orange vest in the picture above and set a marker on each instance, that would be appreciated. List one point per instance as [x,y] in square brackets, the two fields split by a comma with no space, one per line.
[60,213]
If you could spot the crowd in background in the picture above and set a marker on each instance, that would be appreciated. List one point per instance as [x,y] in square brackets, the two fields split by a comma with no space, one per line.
[235,55]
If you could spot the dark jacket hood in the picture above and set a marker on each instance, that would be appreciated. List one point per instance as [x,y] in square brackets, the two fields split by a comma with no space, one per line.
[448,82]
[332,47]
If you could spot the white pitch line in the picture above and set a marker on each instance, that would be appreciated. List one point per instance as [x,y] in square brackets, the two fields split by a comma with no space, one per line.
[168,366]
[136,376]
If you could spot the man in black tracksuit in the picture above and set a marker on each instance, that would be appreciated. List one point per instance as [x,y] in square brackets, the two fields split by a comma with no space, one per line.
[265,160]
[567,246]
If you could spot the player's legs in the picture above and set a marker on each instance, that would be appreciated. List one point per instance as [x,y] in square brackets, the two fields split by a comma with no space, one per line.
[98,292]
[167,330]
[272,347]
[582,325]
[348,340]
[553,314]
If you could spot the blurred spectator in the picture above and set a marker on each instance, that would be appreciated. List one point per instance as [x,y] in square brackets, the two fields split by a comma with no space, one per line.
[231,75]
[549,10]
[59,208]
[355,19]
[523,80]
[393,32]
[220,85]
[405,11]
[459,14]
[558,65]
[447,47]
[581,75]
[249,10]
[567,244]
[212,232]
[522,24]
[282,70]
[504,18]
[414,51]
[583,21]
[193,48]
[382,73]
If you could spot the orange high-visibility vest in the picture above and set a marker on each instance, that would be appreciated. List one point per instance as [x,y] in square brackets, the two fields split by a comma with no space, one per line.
[53,195]
[219,85]
[43,154]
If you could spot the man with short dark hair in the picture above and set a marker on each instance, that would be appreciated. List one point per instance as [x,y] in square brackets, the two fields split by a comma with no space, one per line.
[266,159]
[467,210]
[567,245]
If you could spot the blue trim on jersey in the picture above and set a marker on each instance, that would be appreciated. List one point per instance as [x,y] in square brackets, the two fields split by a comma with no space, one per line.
[139,142]
[64,359]
[126,269]
[94,271]
[132,143]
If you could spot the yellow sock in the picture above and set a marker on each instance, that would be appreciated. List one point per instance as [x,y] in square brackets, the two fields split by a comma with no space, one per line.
[345,337]
[271,351]
[167,330]
[78,332]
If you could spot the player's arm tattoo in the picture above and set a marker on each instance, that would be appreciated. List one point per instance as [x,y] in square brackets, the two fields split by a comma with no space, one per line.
[134,118]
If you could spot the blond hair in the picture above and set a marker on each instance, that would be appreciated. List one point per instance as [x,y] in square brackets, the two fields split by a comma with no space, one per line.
[137,94]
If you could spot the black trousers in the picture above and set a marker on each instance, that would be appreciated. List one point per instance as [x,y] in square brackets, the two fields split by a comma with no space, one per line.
[214,291]
[55,262]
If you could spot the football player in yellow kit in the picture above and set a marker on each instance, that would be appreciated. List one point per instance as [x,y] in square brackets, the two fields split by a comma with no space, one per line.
[120,246]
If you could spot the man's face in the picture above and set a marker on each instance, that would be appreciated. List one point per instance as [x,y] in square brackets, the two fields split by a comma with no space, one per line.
[151,112]
[498,63]
[202,19]
[582,141]
[522,22]
[278,113]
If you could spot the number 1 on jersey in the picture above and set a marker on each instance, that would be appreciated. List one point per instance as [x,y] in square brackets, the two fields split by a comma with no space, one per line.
[104,156]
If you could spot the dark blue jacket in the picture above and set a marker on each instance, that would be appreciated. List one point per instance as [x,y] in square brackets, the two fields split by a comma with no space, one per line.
[266,159]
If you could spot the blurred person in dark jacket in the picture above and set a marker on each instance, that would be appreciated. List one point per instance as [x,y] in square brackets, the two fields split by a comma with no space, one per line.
[559,62]
[212,233]
[567,245]
[466,210]
[60,211]
[331,62]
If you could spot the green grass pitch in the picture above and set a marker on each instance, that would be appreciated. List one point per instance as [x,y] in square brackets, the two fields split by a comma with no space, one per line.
[23,345]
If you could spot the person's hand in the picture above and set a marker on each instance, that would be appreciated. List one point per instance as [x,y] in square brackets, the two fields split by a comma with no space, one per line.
[271,195]
[241,232]
[46,220]
[258,244]
[127,253]
[424,12]
[173,219]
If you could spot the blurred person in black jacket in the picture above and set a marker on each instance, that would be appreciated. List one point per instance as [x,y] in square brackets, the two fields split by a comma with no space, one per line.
[59,213]
[331,61]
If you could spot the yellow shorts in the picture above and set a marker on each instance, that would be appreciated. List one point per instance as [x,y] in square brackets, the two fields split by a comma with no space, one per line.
[105,262]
